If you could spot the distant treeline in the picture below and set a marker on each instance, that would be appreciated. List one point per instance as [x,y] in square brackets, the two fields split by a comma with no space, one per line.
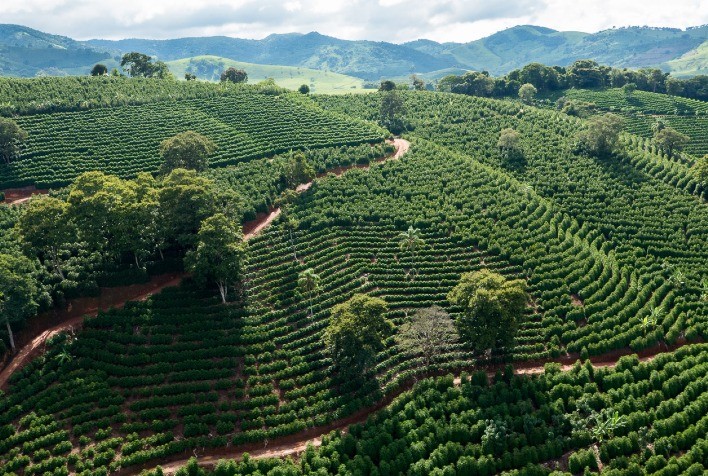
[581,74]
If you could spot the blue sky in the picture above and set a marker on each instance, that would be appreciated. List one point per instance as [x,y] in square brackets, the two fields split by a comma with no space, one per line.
[381,20]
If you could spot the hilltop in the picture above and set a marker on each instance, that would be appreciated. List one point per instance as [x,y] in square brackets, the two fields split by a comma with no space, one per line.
[27,52]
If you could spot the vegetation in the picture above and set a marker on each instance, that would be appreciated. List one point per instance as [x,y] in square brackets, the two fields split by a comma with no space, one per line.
[187,150]
[12,138]
[492,308]
[234,75]
[565,257]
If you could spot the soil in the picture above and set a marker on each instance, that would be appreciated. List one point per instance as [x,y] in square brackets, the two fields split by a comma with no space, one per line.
[17,196]
[31,339]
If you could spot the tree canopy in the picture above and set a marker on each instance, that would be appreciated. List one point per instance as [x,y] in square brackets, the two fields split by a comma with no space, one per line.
[99,70]
[527,92]
[355,333]
[427,333]
[12,136]
[219,253]
[234,75]
[139,65]
[492,308]
[600,137]
[186,150]
[670,140]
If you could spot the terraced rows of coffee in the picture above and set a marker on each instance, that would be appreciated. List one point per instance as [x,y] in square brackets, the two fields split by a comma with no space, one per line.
[125,140]
[180,371]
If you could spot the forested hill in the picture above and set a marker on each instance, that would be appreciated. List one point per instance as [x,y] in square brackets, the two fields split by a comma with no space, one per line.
[27,52]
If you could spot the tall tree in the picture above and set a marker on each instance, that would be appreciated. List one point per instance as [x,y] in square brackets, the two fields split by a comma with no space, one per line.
[233,75]
[527,92]
[417,82]
[19,291]
[411,241]
[296,170]
[670,140]
[492,308]
[600,137]
[12,136]
[186,150]
[509,145]
[219,253]
[99,70]
[355,333]
[427,333]
[185,199]
[309,283]
[700,171]
[45,230]
[392,112]
[137,65]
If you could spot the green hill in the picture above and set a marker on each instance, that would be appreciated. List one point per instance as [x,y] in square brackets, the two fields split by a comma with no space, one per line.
[210,67]
[693,63]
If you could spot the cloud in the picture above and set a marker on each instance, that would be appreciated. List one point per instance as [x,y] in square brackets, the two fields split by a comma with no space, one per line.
[380,20]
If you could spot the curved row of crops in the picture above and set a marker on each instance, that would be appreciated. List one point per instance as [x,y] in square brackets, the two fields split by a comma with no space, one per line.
[125,140]
[180,371]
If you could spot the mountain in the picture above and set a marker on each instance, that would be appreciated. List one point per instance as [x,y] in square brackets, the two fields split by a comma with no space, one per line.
[27,52]
[365,59]
[631,47]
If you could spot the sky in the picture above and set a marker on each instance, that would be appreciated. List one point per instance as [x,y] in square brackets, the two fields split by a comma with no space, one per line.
[380,20]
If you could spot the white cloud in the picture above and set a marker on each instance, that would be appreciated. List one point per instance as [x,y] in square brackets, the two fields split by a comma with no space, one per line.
[381,20]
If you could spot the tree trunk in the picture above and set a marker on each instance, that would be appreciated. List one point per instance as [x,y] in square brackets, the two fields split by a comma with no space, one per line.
[10,335]
[162,257]
[137,263]
[55,264]
[223,291]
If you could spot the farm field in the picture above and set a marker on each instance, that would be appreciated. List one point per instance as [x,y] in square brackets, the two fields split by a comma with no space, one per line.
[125,140]
[643,109]
[612,252]
[322,82]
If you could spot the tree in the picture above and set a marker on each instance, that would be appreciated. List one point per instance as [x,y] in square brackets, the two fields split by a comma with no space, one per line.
[304,89]
[139,65]
[355,333]
[527,92]
[19,291]
[190,77]
[509,145]
[186,150]
[219,253]
[392,112]
[492,308]
[234,75]
[427,333]
[99,70]
[600,137]
[185,199]
[309,283]
[45,230]
[629,89]
[296,170]
[418,83]
[12,136]
[387,85]
[670,140]
[410,240]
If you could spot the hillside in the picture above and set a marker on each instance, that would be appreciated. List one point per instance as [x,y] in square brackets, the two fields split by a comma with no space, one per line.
[364,59]
[209,68]
[612,252]
[245,122]
[27,52]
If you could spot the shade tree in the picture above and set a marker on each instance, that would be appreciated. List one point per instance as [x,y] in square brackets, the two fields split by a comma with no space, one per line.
[428,333]
[355,333]
[12,137]
[491,306]
[186,150]
[218,255]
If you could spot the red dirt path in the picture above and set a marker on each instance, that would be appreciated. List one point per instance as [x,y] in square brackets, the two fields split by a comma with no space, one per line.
[16,196]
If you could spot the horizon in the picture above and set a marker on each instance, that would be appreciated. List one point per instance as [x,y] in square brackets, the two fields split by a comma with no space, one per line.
[303,33]
[393,21]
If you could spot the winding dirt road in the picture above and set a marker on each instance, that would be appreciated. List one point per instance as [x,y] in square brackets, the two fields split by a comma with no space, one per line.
[30,341]
[262,221]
